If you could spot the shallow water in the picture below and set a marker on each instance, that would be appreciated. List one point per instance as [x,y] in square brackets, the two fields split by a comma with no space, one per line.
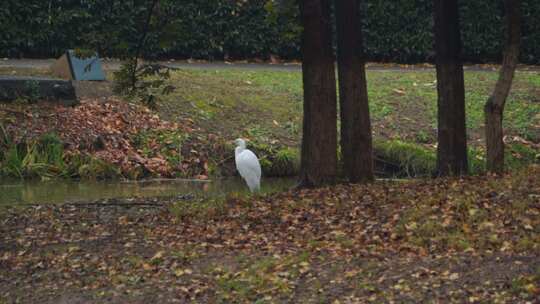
[60,191]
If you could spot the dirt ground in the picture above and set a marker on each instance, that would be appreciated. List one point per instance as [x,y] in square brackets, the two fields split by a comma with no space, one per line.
[474,240]
[470,240]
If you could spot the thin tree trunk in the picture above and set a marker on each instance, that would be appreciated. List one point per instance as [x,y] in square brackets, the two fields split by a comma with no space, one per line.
[494,107]
[319,140]
[356,140]
[140,44]
[452,137]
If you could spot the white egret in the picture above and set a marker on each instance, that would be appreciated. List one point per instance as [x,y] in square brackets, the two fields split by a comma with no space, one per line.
[247,165]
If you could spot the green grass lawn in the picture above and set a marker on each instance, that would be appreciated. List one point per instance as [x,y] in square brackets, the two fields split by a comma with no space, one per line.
[266,108]
[403,104]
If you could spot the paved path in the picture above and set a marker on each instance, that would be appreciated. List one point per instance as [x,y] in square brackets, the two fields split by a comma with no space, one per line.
[114,64]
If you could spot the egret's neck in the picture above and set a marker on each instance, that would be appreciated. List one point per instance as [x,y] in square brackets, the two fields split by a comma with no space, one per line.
[238,150]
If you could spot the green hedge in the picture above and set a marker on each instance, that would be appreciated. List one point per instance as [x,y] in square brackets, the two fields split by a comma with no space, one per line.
[395,30]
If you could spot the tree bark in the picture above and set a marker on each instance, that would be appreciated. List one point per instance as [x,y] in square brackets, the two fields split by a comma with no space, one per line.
[319,140]
[494,107]
[356,139]
[452,137]
[140,44]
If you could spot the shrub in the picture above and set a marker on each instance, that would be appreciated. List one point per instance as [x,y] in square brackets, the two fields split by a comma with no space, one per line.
[394,30]
[41,158]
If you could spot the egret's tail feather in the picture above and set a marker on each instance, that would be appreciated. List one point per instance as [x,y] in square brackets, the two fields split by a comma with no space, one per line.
[253,186]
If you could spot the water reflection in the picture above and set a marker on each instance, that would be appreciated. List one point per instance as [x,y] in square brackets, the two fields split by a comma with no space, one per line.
[34,192]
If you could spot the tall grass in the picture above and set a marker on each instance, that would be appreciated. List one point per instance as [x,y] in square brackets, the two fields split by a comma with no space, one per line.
[45,158]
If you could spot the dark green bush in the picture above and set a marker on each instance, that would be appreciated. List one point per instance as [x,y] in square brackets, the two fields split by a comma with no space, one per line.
[395,30]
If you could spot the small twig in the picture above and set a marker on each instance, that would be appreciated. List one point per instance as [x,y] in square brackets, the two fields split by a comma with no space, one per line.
[225,160]
[154,180]
[126,205]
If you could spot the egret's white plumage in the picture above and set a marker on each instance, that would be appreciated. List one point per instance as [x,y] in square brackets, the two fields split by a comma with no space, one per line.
[247,165]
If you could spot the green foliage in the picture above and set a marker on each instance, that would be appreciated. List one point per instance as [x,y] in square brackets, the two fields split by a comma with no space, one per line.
[52,149]
[516,156]
[166,143]
[87,167]
[404,159]
[45,158]
[41,158]
[477,161]
[145,83]
[422,137]
[398,30]
[393,30]
[148,33]
[276,159]
[32,87]
[287,161]
[519,156]
[12,162]
[110,27]
[5,141]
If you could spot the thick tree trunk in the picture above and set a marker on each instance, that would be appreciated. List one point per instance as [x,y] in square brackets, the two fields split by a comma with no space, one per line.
[495,105]
[356,141]
[319,141]
[452,137]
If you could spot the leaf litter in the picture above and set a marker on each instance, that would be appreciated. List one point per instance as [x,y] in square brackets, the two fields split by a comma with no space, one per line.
[468,240]
[108,130]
